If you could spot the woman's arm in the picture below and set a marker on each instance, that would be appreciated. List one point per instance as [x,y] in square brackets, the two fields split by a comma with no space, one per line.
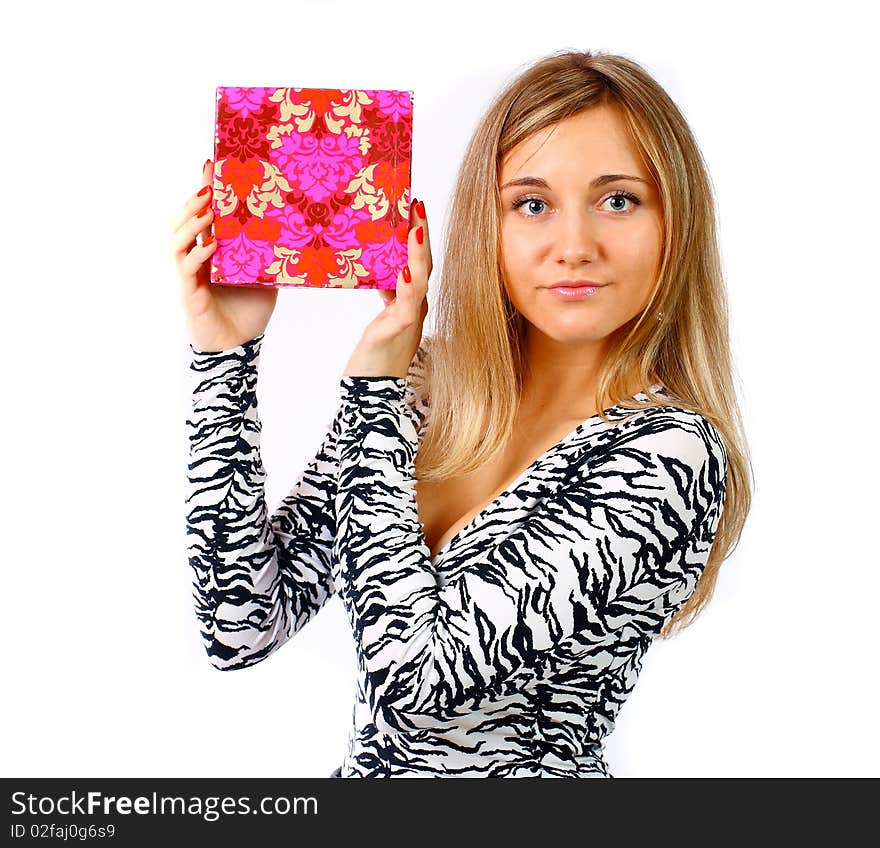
[609,555]
[257,579]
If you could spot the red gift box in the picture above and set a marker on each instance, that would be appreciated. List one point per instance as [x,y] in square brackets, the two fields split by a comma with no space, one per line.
[311,186]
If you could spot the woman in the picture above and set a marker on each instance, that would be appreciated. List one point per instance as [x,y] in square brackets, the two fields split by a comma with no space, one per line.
[513,508]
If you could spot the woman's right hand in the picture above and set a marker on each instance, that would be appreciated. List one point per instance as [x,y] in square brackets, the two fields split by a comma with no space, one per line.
[218,317]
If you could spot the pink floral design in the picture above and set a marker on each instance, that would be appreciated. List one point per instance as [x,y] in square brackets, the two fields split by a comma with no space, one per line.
[296,196]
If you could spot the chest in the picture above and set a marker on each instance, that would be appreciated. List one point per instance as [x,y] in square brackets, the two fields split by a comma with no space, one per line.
[447,506]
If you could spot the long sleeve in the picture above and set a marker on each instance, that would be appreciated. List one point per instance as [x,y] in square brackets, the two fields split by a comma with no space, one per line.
[257,579]
[609,555]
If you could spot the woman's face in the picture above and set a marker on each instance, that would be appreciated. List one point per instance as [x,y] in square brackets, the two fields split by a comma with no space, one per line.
[563,225]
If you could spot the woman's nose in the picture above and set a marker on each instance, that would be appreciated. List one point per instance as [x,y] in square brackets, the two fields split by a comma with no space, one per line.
[576,234]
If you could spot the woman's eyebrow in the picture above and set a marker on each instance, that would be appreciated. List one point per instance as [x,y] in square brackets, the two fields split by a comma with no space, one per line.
[538,182]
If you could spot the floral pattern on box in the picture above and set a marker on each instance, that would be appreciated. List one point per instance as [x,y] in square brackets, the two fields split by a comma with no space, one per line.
[311,186]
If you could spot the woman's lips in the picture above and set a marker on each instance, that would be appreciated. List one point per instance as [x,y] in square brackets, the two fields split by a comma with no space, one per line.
[575,292]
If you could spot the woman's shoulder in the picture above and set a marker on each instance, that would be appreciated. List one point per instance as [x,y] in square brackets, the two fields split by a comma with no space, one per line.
[670,431]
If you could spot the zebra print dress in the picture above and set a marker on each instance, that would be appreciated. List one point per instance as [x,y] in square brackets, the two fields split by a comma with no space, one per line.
[507,655]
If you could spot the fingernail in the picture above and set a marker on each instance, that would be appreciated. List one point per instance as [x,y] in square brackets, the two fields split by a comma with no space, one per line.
[207,162]
[407,277]
[420,235]
[204,191]
[207,241]
[420,208]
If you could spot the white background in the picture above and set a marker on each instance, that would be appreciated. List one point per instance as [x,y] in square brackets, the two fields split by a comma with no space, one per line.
[108,116]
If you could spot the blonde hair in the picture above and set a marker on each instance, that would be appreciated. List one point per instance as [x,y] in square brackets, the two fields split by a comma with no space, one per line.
[474,365]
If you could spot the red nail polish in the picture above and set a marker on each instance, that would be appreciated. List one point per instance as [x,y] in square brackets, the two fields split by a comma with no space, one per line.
[204,191]
[420,235]
[420,208]
[407,277]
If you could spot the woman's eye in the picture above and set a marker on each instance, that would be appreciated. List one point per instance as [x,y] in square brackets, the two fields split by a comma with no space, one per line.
[528,200]
[619,198]
[617,201]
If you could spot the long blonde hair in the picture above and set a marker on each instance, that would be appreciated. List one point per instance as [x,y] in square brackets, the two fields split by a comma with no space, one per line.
[474,368]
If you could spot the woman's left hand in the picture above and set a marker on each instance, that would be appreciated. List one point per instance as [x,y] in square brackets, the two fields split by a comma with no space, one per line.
[392,338]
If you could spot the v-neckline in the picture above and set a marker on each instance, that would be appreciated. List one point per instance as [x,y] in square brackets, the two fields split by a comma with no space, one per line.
[525,474]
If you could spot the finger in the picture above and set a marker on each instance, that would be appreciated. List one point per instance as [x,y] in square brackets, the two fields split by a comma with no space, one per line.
[419,215]
[403,295]
[419,259]
[208,217]
[199,220]
[192,260]
[411,291]
[184,239]
[196,201]
[419,243]
[412,294]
